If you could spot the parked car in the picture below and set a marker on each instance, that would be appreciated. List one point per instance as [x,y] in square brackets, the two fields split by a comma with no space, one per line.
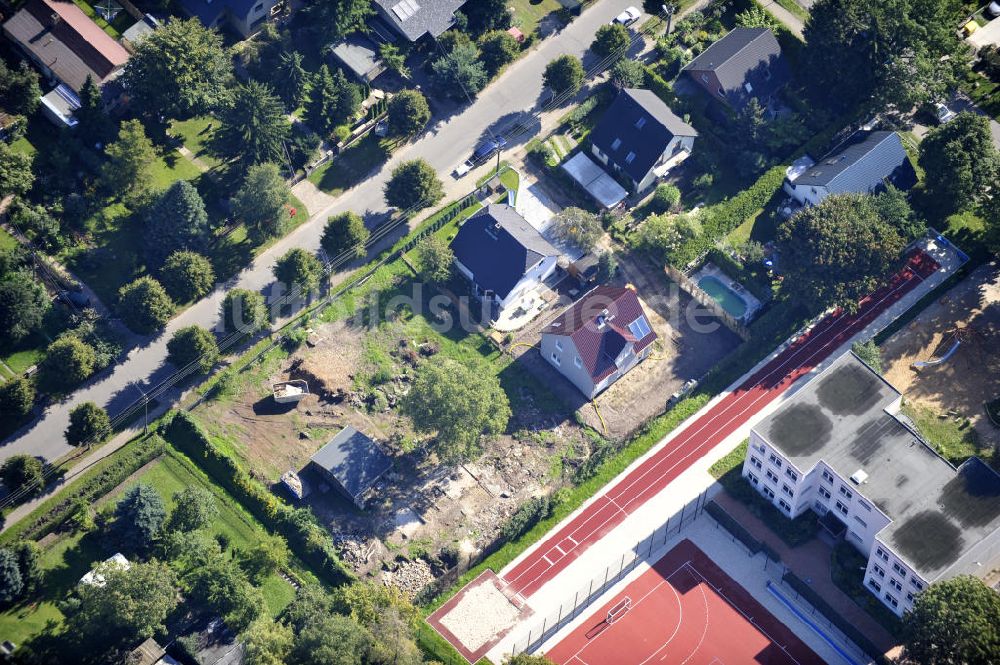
[993,9]
[488,148]
[628,17]
[943,114]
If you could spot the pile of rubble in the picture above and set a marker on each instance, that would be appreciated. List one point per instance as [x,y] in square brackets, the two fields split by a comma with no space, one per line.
[409,577]
[355,549]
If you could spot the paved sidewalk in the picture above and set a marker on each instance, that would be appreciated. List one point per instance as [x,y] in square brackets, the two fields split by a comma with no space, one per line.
[811,562]
[785,17]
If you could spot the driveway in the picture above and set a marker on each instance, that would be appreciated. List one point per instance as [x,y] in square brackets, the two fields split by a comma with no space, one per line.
[508,99]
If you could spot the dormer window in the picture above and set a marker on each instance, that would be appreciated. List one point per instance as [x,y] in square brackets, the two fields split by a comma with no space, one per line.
[629,157]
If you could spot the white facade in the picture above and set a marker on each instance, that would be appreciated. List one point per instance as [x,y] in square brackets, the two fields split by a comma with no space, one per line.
[821,489]
[531,280]
[672,151]
[560,352]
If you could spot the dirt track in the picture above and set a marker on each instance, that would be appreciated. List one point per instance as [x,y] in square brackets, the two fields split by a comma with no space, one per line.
[971,310]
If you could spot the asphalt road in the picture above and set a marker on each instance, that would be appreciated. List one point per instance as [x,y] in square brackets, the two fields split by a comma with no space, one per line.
[517,92]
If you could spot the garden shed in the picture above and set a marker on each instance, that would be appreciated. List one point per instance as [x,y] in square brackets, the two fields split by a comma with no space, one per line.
[353,463]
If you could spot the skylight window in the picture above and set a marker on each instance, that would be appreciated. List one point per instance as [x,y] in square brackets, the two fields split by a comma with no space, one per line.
[616,144]
[405,9]
[639,328]
[640,123]
[629,157]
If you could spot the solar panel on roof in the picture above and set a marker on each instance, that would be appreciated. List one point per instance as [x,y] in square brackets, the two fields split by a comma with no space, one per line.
[405,9]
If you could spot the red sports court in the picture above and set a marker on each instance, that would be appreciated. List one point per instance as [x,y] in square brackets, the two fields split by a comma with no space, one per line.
[698,437]
[683,611]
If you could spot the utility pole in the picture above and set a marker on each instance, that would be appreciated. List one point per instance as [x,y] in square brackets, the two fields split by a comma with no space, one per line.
[669,10]
[145,406]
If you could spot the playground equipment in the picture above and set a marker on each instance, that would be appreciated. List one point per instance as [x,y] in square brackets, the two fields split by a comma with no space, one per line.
[920,364]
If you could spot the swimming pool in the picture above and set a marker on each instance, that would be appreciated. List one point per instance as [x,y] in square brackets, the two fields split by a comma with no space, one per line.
[722,294]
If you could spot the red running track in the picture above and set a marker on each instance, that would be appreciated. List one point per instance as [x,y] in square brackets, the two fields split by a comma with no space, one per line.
[685,611]
[657,471]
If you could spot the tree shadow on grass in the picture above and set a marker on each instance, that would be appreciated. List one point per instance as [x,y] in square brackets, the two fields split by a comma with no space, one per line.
[353,165]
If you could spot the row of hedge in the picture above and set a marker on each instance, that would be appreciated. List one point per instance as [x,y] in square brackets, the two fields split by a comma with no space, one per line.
[298,525]
[112,472]
[831,615]
[737,530]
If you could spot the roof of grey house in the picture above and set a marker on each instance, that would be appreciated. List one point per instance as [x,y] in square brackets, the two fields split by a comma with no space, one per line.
[498,247]
[845,418]
[360,55]
[601,324]
[744,56]
[61,36]
[862,164]
[640,125]
[415,18]
[353,459]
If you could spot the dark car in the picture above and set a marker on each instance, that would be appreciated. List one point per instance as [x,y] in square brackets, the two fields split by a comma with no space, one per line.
[488,148]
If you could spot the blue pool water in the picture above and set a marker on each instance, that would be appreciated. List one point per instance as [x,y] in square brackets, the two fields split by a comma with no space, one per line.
[722,294]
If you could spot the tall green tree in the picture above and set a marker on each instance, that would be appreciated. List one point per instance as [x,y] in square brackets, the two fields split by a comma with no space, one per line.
[408,113]
[882,54]
[331,640]
[11,583]
[19,89]
[563,74]
[129,169]
[343,232]
[497,49]
[261,202]
[333,101]
[267,642]
[338,18]
[132,605]
[94,125]
[193,344]
[458,404]
[88,424]
[265,557]
[244,311]
[954,621]
[176,221]
[435,259]
[578,226]
[299,267]
[144,306]
[16,176]
[414,185]
[23,472]
[67,362]
[486,15]
[460,74]
[961,162]
[17,396]
[194,508]
[254,125]
[628,73]
[139,516]
[838,251]
[394,59]
[611,39]
[222,586]
[187,276]
[161,82]
[289,79]
[23,305]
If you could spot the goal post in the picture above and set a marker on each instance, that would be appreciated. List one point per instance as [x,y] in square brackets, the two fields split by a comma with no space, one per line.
[619,609]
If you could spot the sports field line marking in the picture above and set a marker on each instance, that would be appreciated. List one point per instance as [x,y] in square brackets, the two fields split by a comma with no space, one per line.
[556,547]
[764,393]
[704,629]
[750,619]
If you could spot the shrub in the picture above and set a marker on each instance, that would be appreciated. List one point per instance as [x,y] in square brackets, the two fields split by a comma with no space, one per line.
[23,472]
[244,311]
[193,344]
[68,361]
[666,197]
[187,276]
[526,516]
[16,399]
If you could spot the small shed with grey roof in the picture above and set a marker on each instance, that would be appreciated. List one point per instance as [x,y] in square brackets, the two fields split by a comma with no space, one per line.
[746,63]
[864,163]
[359,55]
[353,463]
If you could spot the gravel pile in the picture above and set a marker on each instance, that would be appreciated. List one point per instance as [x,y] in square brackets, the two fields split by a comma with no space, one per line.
[409,577]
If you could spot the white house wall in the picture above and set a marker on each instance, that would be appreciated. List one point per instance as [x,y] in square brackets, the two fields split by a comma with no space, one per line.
[531,280]
[560,352]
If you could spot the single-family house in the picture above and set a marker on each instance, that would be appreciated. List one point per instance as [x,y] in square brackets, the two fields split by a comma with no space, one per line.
[641,138]
[865,163]
[503,256]
[746,63]
[599,339]
[841,449]
[67,46]
[243,16]
[352,463]
[415,19]
[149,653]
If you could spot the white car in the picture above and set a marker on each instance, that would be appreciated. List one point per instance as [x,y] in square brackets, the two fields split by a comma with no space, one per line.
[943,113]
[628,17]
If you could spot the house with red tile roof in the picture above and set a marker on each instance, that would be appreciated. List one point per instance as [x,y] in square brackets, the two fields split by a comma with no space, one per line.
[599,339]
[67,46]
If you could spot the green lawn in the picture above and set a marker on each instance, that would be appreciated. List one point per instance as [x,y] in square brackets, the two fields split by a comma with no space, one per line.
[952,437]
[351,166]
[7,241]
[122,22]
[172,166]
[795,9]
[984,92]
[529,13]
[197,134]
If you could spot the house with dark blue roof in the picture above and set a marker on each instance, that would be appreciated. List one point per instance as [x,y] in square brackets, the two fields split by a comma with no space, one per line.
[243,16]
[503,256]
[640,138]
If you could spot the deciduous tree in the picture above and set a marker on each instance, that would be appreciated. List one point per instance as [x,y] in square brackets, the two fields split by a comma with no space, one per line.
[611,40]
[144,305]
[129,169]
[338,18]
[222,586]
[139,516]
[460,74]
[954,621]
[343,232]
[266,556]
[331,640]
[177,220]
[22,473]
[261,202]
[838,251]
[130,606]
[194,508]
[578,226]
[23,304]
[160,83]
[628,73]
[187,276]
[297,267]
[563,74]
[961,161]
[88,424]
[17,396]
[458,404]
[193,344]
[485,15]
[414,185]
[408,112]
[267,642]
[19,90]
[244,311]
[497,49]
[67,362]
[435,259]
[16,176]
[93,124]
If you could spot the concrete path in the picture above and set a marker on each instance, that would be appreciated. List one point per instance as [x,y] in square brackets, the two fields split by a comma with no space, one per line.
[785,17]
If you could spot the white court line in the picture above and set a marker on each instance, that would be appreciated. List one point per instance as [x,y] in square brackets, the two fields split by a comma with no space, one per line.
[711,421]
